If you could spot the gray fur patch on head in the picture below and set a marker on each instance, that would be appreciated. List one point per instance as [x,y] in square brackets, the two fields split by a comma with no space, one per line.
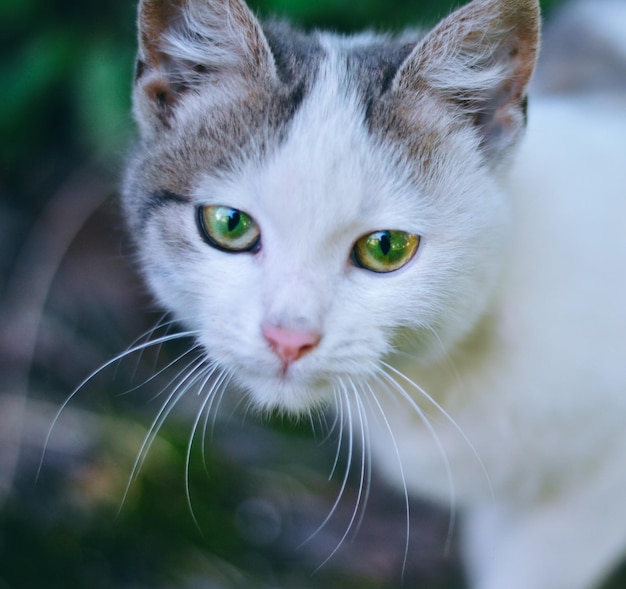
[414,91]
[217,140]
[209,139]
[321,139]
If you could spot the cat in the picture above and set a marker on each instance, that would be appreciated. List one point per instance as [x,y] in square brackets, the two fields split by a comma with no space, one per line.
[364,222]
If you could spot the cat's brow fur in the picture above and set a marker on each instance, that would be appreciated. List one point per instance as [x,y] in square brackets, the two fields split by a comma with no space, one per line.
[488,368]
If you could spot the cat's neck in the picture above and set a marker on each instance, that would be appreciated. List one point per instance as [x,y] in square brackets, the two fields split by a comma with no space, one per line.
[456,372]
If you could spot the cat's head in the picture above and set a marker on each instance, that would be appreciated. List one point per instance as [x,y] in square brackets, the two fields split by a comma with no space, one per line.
[300,200]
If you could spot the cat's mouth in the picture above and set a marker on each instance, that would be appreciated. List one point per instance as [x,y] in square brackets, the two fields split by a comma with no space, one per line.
[286,389]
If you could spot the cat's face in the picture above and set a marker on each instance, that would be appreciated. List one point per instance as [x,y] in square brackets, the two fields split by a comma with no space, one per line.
[297,215]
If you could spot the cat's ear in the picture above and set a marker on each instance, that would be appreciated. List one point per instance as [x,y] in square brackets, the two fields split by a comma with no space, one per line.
[480,60]
[185,43]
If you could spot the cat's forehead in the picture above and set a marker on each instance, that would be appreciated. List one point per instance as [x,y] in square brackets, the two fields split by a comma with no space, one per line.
[328,164]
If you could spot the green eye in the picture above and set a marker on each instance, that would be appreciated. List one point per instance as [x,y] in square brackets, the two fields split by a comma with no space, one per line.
[228,229]
[385,251]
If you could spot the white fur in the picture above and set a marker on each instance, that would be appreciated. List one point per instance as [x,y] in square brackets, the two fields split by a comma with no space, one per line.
[544,399]
[325,187]
[490,371]
[212,37]
[607,20]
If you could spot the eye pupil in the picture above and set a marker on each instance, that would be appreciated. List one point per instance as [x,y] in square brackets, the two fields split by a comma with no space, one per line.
[385,251]
[385,243]
[233,220]
[228,229]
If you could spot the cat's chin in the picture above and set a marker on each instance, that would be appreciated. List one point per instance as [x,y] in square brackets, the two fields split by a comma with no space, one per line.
[287,395]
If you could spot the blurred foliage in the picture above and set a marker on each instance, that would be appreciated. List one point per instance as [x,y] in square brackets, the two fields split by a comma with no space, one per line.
[232,514]
[67,66]
[66,69]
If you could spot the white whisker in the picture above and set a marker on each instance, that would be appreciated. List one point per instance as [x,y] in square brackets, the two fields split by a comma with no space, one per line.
[210,395]
[147,336]
[366,458]
[344,482]
[340,419]
[339,403]
[112,361]
[450,419]
[216,394]
[329,428]
[172,400]
[405,490]
[163,371]
[436,439]
[318,420]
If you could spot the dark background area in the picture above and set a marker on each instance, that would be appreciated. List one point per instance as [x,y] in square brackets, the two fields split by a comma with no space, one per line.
[241,509]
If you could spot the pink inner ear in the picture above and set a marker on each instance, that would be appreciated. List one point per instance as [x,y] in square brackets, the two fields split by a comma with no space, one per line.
[290,345]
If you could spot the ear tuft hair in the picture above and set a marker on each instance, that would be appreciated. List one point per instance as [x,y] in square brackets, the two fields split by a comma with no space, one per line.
[480,59]
[187,43]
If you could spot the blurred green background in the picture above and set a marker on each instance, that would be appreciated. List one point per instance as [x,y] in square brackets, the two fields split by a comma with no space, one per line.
[66,67]
[70,300]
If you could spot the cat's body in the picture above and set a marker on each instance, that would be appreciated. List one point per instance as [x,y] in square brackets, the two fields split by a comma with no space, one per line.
[552,437]
[351,221]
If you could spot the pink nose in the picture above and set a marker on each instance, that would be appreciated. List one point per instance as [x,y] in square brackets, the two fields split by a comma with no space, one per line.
[290,345]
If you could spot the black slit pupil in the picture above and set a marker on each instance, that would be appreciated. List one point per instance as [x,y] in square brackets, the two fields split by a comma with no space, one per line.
[385,243]
[233,220]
